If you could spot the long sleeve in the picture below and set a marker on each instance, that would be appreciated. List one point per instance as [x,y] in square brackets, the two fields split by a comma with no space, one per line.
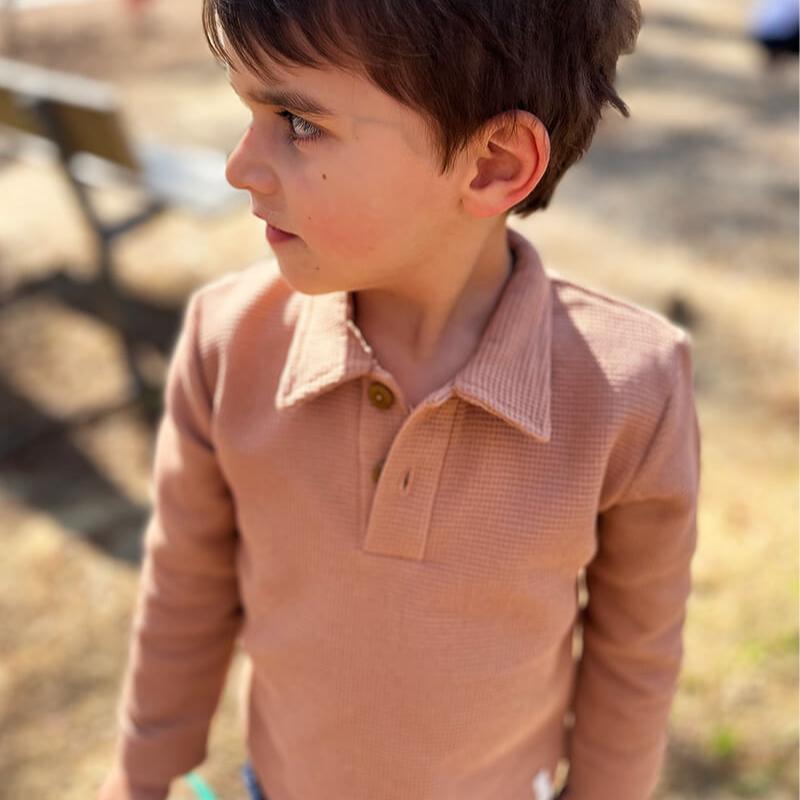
[188,611]
[638,584]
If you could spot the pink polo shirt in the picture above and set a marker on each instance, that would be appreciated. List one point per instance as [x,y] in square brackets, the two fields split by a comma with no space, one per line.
[405,581]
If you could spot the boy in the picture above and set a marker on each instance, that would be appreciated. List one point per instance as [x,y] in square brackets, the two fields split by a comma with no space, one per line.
[388,455]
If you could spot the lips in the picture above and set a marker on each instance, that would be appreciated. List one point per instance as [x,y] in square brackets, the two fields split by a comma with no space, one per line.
[275,236]
[272,224]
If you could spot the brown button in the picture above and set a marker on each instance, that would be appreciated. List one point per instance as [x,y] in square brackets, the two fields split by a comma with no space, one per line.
[380,395]
[376,470]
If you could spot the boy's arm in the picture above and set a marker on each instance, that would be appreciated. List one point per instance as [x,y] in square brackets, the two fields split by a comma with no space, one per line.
[638,583]
[188,612]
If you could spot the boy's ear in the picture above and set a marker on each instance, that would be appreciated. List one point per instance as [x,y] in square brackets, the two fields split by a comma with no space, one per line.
[505,163]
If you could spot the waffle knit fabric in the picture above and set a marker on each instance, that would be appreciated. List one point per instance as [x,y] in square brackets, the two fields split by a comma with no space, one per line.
[404,580]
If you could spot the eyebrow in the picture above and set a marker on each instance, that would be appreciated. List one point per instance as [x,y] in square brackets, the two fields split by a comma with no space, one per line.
[296,101]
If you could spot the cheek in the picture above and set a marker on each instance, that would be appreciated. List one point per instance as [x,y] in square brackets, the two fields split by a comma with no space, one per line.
[349,214]
[368,203]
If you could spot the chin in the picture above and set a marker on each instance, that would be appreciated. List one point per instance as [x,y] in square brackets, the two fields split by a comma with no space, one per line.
[306,281]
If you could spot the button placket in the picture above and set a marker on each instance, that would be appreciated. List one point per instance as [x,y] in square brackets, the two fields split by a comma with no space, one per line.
[399,516]
[380,395]
[380,419]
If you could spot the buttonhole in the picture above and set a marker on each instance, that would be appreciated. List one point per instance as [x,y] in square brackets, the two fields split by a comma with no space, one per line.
[406,479]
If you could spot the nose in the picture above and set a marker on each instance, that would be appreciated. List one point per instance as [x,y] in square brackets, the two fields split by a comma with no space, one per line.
[248,166]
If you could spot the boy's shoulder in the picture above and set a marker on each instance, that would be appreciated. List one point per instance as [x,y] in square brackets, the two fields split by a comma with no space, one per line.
[247,312]
[237,290]
[622,342]
[255,294]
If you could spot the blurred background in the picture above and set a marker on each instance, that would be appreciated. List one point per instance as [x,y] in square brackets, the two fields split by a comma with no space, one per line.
[690,207]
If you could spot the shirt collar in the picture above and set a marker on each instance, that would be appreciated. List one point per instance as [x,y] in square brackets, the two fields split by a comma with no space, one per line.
[508,375]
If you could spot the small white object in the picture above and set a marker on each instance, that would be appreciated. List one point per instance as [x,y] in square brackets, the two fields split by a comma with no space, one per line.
[542,785]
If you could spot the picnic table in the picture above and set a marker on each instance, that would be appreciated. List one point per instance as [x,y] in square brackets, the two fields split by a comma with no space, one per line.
[78,122]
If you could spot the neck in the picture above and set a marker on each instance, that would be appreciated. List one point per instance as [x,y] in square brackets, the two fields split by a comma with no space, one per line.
[442,307]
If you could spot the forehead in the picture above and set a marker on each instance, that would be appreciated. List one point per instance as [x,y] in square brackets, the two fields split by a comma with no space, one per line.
[354,101]
[323,85]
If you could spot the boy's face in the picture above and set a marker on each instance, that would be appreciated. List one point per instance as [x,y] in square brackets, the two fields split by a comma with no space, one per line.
[359,186]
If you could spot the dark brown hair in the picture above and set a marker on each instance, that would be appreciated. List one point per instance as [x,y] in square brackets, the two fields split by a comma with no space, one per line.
[458,63]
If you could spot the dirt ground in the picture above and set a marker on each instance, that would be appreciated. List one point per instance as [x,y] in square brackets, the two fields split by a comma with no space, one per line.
[688,207]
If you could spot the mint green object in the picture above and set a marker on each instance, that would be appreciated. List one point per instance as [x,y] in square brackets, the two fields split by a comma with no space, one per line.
[201,789]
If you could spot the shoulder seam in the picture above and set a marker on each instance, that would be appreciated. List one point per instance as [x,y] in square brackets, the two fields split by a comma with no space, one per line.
[624,305]
[224,279]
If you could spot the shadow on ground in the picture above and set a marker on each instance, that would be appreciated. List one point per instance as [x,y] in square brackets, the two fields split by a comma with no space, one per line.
[38,463]
[690,769]
[710,184]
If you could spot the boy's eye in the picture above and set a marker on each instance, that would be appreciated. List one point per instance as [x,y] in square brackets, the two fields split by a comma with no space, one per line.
[301,130]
